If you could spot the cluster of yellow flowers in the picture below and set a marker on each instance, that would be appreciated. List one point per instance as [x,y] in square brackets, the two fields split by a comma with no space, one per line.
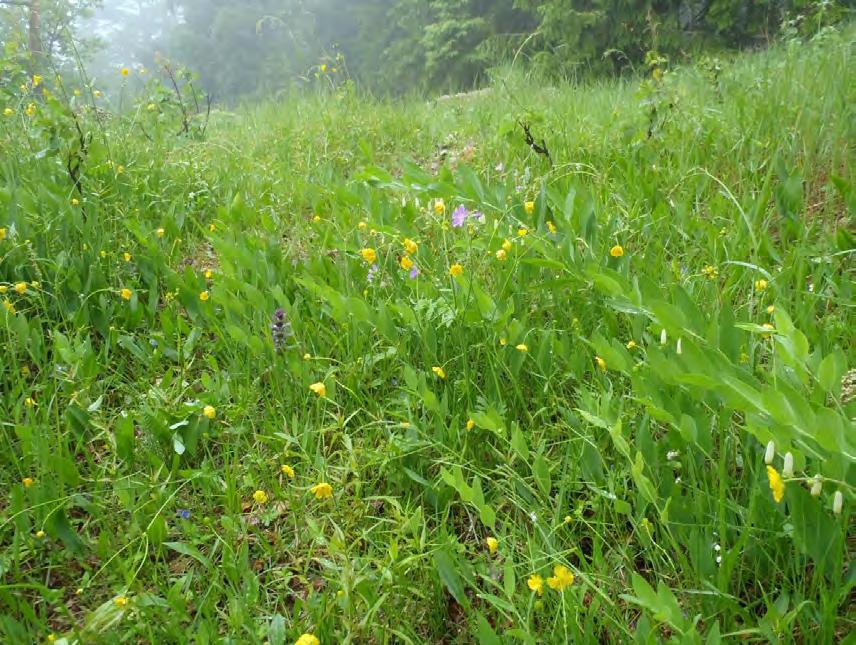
[561,579]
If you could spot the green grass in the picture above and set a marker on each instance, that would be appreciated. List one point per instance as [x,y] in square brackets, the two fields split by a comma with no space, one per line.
[645,479]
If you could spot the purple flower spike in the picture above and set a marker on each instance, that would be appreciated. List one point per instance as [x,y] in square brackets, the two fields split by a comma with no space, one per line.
[280,329]
[459,216]
[414,272]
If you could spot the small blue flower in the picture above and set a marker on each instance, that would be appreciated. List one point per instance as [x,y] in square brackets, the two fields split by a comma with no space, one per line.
[183,513]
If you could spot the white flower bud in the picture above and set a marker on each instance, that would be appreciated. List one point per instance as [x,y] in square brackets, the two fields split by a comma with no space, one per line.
[788,468]
[816,486]
[837,502]
[770,452]
[679,349]
[663,337]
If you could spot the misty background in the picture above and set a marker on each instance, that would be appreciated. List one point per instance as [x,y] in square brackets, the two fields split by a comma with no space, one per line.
[251,49]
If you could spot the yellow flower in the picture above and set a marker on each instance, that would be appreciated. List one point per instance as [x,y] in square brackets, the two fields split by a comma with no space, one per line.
[470,424]
[160,232]
[492,544]
[27,482]
[369,255]
[97,94]
[21,288]
[322,490]
[501,254]
[410,247]
[522,232]
[29,402]
[600,363]
[768,327]
[307,639]
[3,289]
[503,342]
[2,234]
[536,584]
[8,111]
[456,270]
[120,169]
[127,293]
[406,263]
[561,578]
[125,71]
[209,411]
[760,285]
[710,272]
[319,388]
[323,68]
[204,295]
[529,207]
[121,602]
[307,356]
[51,638]
[362,226]
[771,309]
[151,107]
[76,92]
[551,227]
[777,484]
[616,251]
[208,274]
[40,534]
[439,206]
[127,257]
[37,80]
[8,306]
[439,371]
[212,228]
[522,347]
[631,344]
[260,497]
[287,470]
[507,246]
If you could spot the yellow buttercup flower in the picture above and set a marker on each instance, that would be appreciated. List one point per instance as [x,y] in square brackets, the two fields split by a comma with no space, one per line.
[322,490]
[439,371]
[771,309]
[492,544]
[631,344]
[27,482]
[760,285]
[121,602]
[126,294]
[522,232]
[21,288]
[98,94]
[2,234]
[456,270]
[204,295]
[260,497]
[551,227]
[37,80]
[522,347]
[561,578]
[369,255]
[600,363]
[8,111]
[777,484]
[710,272]
[212,228]
[160,232]
[8,306]
[470,424]
[529,207]
[536,584]
[439,206]
[40,534]
[616,251]
[307,639]
[507,246]
[503,342]
[319,388]
[125,71]
[362,226]
[501,255]
[127,257]
[406,263]
[208,274]
[287,470]
[410,247]
[209,411]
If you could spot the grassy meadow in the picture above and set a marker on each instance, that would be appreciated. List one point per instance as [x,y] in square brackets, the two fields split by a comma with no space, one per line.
[364,371]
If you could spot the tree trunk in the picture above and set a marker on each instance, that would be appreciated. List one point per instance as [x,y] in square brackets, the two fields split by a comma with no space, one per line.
[35,32]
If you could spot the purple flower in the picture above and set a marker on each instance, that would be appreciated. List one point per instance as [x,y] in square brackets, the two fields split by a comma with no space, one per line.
[414,272]
[478,216]
[183,513]
[459,216]
[372,272]
[280,329]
